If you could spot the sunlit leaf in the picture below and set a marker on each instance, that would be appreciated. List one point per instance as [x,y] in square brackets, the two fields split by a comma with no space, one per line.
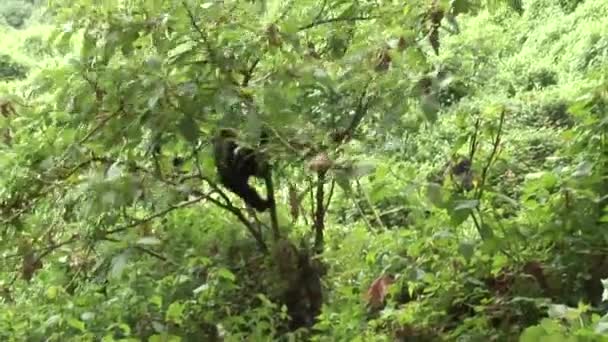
[76,324]
[175,312]
[434,193]
[583,169]
[148,240]
[119,263]
[430,107]
[360,169]
[467,204]
[226,274]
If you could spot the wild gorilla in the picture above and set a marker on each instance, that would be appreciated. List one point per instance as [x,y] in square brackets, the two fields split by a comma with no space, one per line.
[235,164]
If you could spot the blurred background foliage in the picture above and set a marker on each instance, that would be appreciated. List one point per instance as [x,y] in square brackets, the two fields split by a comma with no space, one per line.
[102,238]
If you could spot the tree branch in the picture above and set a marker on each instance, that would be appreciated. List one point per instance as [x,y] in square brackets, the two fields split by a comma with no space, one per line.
[360,111]
[335,20]
[495,145]
[319,218]
[155,215]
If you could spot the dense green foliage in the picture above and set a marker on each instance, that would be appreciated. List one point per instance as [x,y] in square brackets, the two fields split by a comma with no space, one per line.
[15,12]
[114,225]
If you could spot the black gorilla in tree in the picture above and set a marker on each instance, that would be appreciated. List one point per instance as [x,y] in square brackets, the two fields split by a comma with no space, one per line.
[235,164]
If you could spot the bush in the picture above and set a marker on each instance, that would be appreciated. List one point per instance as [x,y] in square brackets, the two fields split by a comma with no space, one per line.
[569,6]
[11,70]
[15,12]
[36,46]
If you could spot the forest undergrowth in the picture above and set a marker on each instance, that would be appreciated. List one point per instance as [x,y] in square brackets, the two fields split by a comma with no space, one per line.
[433,171]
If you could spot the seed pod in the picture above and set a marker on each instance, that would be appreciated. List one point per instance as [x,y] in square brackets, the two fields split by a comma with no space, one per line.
[320,163]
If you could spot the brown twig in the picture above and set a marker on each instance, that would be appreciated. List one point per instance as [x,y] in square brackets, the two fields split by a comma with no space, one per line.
[99,126]
[319,213]
[473,147]
[335,20]
[495,146]
[360,112]
[247,75]
[144,250]
[371,206]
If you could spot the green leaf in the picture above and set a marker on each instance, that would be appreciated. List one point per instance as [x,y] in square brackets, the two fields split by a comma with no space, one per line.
[154,63]
[51,292]
[148,240]
[156,300]
[516,5]
[175,312]
[119,263]
[602,325]
[155,96]
[87,316]
[507,199]
[532,334]
[583,169]
[164,338]
[122,327]
[461,6]
[430,107]
[201,288]
[343,181]
[466,205]
[224,273]
[53,320]
[467,250]
[457,217]
[127,40]
[486,232]
[88,45]
[547,180]
[434,193]
[360,169]
[76,324]
[189,129]
[416,59]
[558,311]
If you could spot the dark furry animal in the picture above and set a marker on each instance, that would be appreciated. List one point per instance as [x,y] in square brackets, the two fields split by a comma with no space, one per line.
[235,164]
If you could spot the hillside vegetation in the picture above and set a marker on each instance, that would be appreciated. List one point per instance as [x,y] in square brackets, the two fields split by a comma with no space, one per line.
[428,170]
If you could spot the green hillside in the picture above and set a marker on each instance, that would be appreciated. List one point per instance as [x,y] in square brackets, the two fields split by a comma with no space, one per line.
[319,170]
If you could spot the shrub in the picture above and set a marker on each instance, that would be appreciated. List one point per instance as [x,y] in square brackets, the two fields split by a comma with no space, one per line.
[11,70]
[15,12]
[36,46]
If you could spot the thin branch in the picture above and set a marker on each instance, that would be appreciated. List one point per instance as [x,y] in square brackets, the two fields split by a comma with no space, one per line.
[335,20]
[154,254]
[227,205]
[156,215]
[273,206]
[331,194]
[241,217]
[319,213]
[360,112]
[194,24]
[234,210]
[371,206]
[318,16]
[362,213]
[99,126]
[495,145]
[249,73]
[479,225]
[473,147]
[42,252]
[144,250]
